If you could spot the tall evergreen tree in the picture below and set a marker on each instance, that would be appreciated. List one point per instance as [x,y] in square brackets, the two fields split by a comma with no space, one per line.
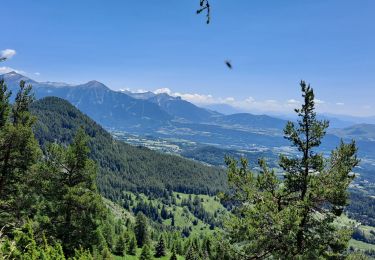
[192,253]
[120,248]
[146,253]
[206,247]
[76,207]
[18,156]
[174,255]
[141,229]
[160,248]
[4,104]
[132,246]
[293,218]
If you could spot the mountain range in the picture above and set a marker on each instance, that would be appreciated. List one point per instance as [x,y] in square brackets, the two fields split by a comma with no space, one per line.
[165,116]
[126,109]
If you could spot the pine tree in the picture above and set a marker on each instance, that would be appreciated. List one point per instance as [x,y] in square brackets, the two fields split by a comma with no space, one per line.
[141,230]
[106,254]
[293,218]
[172,220]
[19,154]
[164,213]
[192,253]
[132,246]
[77,208]
[146,253]
[206,247]
[160,248]
[4,103]
[120,248]
[174,255]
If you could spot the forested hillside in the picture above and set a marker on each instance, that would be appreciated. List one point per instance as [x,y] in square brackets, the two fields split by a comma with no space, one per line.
[51,208]
[121,166]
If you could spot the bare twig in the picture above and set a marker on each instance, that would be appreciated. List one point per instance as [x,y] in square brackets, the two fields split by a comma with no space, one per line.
[205,6]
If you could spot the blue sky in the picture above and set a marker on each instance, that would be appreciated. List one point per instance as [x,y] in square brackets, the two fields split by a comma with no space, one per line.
[163,44]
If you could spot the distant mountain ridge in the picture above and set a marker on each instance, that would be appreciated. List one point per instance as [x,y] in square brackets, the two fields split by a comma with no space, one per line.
[359,131]
[108,107]
[140,112]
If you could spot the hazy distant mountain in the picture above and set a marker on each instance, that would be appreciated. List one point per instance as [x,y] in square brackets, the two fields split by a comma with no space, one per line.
[359,132]
[250,120]
[109,108]
[182,109]
[224,109]
[159,114]
[352,119]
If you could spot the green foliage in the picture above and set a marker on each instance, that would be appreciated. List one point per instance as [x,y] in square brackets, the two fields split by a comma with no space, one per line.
[106,254]
[192,253]
[132,246]
[141,230]
[82,254]
[45,200]
[19,154]
[25,246]
[174,255]
[76,205]
[4,103]
[160,248]
[120,248]
[146,253]
[293,217]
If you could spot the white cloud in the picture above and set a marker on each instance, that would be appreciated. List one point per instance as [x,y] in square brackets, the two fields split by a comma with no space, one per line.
[339,104]
[37,73]
[7,53]
[4,70]
[318,101]
[293,102]
[230,99]
[196,98]
[249,100]
[163,90]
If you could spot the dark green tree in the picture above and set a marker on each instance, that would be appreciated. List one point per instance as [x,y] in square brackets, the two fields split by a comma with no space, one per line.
[141,229]
[120,248]
[19,153]
[192,253]
[4,103]
[132,246]
[146,253]
[174,255]
[160,248]
[293,217]
[172,220]
[75,205]
[164,213]
[206,247]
